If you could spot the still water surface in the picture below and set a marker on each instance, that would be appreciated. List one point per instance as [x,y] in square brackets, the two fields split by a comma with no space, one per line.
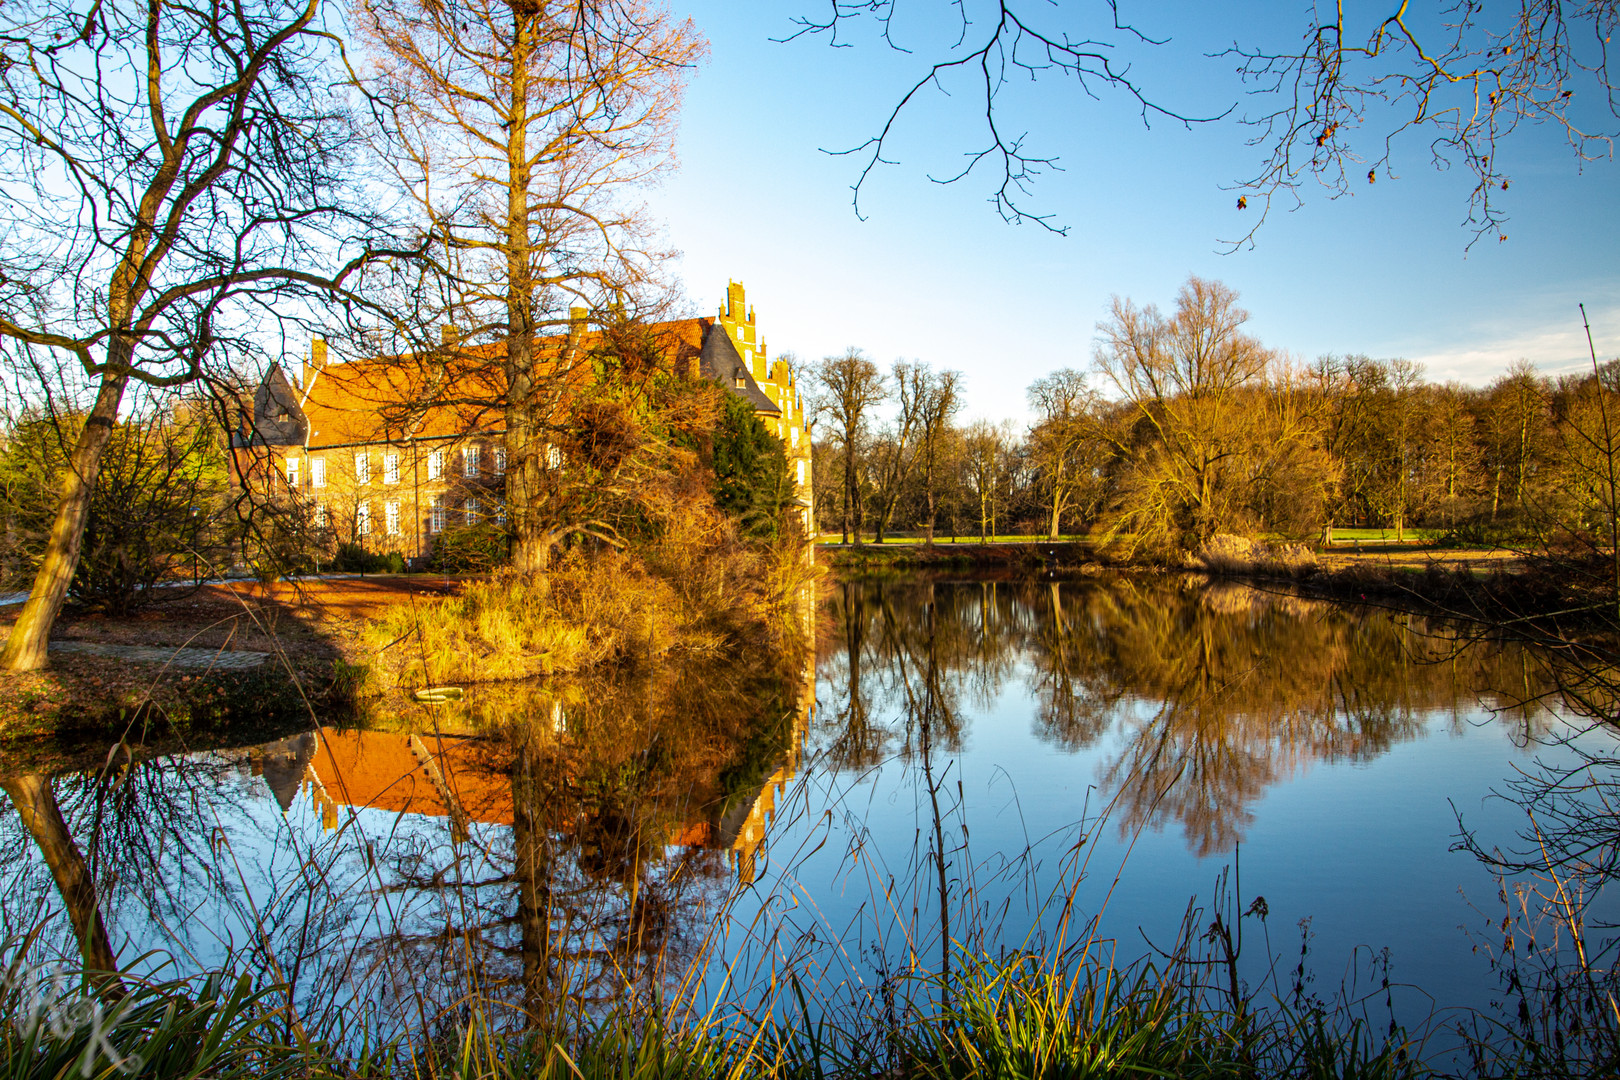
[982,749]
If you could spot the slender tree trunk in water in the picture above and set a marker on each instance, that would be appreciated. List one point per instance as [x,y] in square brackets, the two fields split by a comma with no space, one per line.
[932,705]
[531,868]
[26,647]
[36,804]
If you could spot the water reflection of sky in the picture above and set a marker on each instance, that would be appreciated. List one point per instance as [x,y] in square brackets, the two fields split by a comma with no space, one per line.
[1172,727]
[1339,805]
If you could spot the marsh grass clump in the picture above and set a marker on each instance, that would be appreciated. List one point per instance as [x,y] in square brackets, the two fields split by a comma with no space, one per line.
[610,607]
[57,1024]
[1238,555]
[499,629]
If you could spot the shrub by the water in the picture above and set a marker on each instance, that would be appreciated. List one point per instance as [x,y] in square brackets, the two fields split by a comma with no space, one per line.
[355,559]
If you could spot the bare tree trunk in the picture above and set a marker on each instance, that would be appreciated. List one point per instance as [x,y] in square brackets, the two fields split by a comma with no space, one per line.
[852,493]
[1057,500]
[26,647]
[930,509]
[36,804]
[531,868]
[530,551]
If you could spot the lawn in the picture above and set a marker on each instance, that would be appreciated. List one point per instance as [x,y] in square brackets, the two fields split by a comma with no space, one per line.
[834,539]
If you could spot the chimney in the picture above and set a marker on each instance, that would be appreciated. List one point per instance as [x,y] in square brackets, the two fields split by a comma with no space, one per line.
[317,361]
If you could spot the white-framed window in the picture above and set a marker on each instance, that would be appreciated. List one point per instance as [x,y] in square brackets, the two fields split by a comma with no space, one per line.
[553,457]
[475,509]
[362,519]
[795,435]
[291,469]
[391,518]
[390,468]
[500,461]
[320,515]
[436,465]
[500,512]
[436,514]
[469,461]
[317,472]
[362,468]
[801,473]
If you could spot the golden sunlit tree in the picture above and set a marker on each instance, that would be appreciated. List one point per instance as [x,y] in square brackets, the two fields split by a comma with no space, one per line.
[1217,428]
[523,129]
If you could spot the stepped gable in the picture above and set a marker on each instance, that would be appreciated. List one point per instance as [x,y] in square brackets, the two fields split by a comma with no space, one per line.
[720,360]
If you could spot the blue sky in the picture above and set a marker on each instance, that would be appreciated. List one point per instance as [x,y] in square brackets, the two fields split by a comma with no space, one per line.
[934,274]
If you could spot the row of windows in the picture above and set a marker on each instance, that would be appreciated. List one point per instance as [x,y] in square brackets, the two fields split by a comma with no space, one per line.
[439,516]
[470,466]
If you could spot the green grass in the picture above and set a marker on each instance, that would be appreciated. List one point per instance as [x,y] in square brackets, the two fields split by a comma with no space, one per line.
[835,539]
[1345,536]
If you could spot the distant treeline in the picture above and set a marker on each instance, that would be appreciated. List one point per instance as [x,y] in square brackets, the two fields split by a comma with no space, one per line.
[1186,427]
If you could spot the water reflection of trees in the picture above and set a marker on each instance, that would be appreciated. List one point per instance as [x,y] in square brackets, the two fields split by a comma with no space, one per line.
[1200,697]
[568,851]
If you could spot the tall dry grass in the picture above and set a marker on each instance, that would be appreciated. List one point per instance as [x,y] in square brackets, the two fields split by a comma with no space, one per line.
[593,609]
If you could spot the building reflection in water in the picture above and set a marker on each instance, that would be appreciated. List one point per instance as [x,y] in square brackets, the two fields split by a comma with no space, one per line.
[450,777]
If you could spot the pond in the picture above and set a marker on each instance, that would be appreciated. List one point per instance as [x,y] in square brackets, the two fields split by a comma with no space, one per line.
[948,766]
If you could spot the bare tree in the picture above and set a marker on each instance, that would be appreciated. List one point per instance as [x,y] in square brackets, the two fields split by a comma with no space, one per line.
[1065,425]
[849,388]
[1000,41]
[521,127]
[1207,443]
[1515,421]
[985,450]
[921,397]
[1464,82]
[170,174]
[1336,107]
[941,402]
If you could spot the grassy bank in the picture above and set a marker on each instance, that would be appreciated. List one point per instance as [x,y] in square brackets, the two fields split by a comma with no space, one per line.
[1015,1015]
[614,609]
[1018,556]
[1484,583]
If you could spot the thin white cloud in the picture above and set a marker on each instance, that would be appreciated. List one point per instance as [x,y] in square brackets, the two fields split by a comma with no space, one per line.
[1554,347]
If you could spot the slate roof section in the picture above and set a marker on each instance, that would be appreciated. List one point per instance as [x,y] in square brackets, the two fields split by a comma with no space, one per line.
[277,418]
[720,360]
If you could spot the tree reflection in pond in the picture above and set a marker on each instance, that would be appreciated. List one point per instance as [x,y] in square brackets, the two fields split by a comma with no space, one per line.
[557,848]
[1215,691]
[548,848]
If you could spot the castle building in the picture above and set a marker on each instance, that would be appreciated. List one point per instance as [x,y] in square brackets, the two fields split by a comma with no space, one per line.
[354,444]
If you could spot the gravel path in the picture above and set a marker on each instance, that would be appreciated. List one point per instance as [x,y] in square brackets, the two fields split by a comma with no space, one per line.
[158,654]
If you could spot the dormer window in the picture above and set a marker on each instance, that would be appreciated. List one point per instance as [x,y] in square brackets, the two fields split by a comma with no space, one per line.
[741,382]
